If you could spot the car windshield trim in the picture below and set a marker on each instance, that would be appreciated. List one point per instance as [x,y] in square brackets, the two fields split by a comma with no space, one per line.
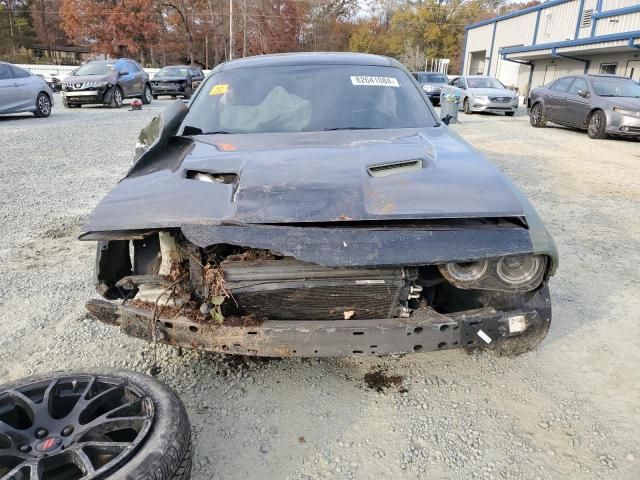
[95,68]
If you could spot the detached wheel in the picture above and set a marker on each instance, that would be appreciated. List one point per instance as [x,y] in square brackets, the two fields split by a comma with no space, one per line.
[597,125]
[43,106]
[536,116]
[466,107]
[147,95]
[93,425]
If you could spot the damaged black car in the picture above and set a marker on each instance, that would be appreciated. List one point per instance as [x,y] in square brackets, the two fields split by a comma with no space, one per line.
[322,211]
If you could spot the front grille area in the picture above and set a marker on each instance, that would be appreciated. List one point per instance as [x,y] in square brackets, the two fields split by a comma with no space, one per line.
[500,99]
[291,290]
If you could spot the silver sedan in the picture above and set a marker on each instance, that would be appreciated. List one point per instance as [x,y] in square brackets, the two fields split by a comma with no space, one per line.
[21,91]
[479,93]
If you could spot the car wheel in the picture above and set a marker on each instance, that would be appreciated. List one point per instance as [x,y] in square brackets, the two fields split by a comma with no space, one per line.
[116,100]
[509,114]
[467,107]
[147,95]
[43,105]
[187,93]
[88,425]
[155,97]
[597,125]
[536,116]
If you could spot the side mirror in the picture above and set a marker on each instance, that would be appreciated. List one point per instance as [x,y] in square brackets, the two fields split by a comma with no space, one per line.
[122,72]
[583,93]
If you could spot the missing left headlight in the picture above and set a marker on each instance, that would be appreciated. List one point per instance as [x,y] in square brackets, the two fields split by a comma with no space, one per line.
[511,273]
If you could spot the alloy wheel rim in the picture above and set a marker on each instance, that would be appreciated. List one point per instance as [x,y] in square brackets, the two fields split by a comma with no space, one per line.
[43,104]
[118,97]
[536,114]
[594,124]
[147,93]
[71,428]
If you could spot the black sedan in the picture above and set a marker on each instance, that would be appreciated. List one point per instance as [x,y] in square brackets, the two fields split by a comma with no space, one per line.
[323,210]
[177,81]
[600,104]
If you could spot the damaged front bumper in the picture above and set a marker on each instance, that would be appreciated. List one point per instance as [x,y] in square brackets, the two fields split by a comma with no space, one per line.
[426,330]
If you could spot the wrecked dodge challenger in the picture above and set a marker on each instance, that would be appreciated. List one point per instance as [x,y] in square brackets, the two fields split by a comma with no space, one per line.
[321,210]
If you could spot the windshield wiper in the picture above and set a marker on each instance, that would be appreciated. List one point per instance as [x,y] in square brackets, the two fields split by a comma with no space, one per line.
[351,128]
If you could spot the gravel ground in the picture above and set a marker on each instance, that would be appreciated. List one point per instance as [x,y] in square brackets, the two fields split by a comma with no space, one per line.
[569,410]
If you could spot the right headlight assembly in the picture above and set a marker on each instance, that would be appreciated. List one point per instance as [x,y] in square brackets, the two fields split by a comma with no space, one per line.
[511,273]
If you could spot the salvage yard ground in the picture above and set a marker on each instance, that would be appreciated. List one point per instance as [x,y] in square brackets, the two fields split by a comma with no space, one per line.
[570,410]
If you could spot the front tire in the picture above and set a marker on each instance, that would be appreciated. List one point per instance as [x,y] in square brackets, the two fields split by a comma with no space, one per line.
[128,425]
[509,114]
[597,125]
[187,93]
[43,105]
[147,95]
[466,107]
[116,100]
[536,116]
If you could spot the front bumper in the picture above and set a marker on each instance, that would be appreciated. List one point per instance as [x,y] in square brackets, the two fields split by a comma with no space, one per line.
[426,330]
[626,125]
[84,96]
[169,89]
[493,107]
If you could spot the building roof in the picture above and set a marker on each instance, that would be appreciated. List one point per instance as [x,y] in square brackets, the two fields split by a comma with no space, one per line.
[517,13]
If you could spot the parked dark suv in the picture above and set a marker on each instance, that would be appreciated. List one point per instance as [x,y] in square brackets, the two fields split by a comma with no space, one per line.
[106,82]
[178,80]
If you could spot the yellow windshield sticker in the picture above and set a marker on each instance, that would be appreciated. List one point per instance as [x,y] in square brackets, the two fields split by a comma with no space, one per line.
[219,89]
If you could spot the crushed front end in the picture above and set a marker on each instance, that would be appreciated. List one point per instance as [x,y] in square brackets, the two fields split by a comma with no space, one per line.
[223,297]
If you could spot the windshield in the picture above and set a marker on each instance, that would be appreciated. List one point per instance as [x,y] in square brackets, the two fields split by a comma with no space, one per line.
[431,78]
[307,98]
[484,82]
[615,87]
[95,68]
[172,72]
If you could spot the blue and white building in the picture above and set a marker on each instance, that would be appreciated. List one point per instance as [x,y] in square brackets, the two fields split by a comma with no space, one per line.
[531,47]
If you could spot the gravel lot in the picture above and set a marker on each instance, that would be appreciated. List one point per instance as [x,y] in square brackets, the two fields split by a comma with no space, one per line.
[571,409]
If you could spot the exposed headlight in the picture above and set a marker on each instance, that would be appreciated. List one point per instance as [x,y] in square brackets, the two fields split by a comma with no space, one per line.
[427,88]
[512,273]
[623,111]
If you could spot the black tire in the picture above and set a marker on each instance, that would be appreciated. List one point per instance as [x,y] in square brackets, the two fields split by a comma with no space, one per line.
[164,451]
[147,94]
[466,107]
[519,344]
[43,105]
[536,116]
[509,114]
[187,93]
[597,125]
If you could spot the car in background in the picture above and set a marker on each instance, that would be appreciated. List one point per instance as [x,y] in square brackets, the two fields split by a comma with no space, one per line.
[177,80]
[22,91]
[600,104]
[314,205]
[479,93]
[106,82]
[53,80]
[432,83]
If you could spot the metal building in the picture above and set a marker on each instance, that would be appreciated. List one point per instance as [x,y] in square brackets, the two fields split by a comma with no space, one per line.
[531,47]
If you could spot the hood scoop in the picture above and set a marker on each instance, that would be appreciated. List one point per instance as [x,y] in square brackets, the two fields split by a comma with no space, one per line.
[385,169]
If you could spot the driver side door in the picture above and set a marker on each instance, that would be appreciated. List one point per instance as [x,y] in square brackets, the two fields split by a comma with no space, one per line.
[578,106]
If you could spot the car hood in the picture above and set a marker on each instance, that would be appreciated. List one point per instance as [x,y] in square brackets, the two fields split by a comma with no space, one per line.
[168,79]
[89,78]
[493,92]
[281,178]
[627,103]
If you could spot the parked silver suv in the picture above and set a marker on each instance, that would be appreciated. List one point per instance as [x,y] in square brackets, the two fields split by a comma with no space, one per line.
[107,82]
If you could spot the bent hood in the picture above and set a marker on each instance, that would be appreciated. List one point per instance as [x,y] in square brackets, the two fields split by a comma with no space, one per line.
[307,177]
[89,78]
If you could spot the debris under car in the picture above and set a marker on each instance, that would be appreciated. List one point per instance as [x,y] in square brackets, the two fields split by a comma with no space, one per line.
[325,211]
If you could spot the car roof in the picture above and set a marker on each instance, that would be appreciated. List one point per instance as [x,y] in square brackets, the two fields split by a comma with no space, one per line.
[310,58]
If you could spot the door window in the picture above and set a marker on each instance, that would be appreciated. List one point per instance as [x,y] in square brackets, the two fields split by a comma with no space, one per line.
[563,84]
[609,68]
[133,68]
[5,72]
[19,72]
[577,85]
